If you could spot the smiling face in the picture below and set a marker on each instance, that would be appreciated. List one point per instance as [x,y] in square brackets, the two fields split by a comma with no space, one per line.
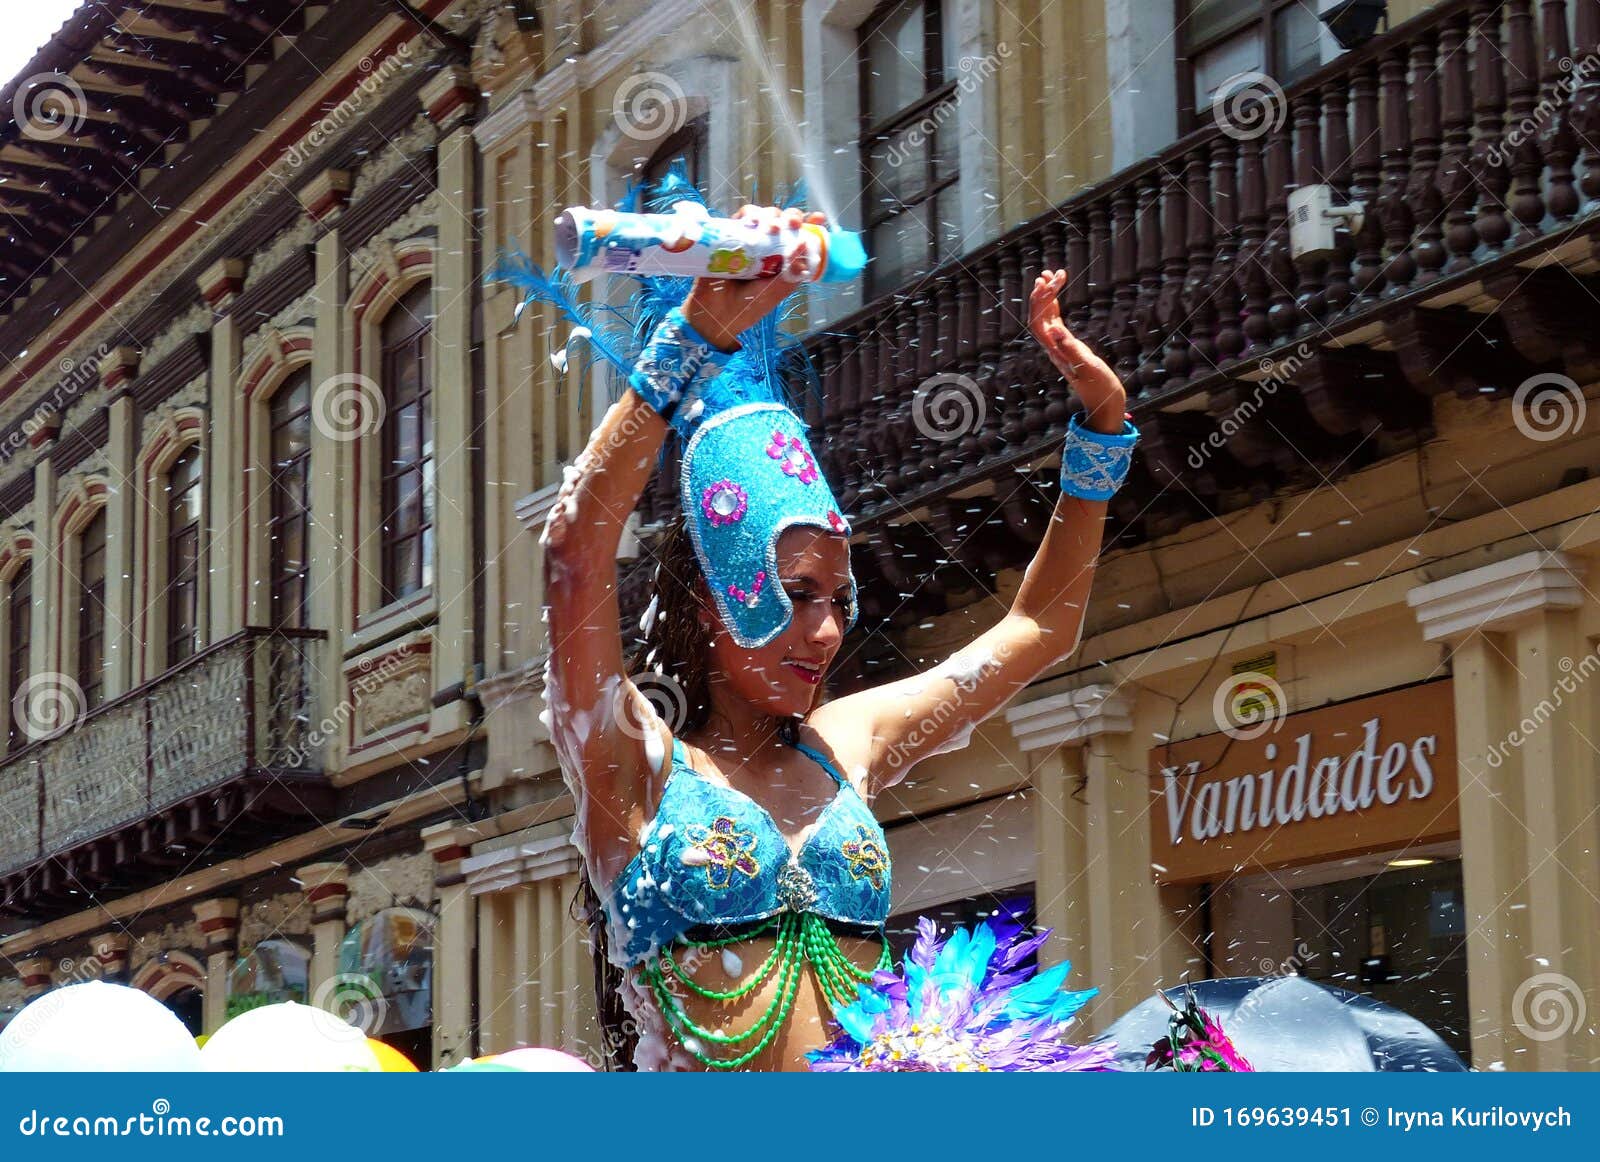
[784,677]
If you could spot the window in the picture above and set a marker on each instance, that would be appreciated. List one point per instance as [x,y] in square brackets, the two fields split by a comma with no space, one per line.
[1220,39]
[289,418]
[909,143]
[183,556]
[91,590]
[407,489]
[19,615]
[688,143]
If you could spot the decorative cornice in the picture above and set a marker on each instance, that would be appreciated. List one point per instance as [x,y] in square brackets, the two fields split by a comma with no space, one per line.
[326,194]
[1076,716]
[119,365]
[1495,597]
[526,681]
[659,21]
[326,887]
[526,863]
[450,98]
[220,281]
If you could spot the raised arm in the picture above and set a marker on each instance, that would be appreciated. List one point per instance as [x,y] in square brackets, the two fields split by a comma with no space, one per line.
[936,710]
[609,742]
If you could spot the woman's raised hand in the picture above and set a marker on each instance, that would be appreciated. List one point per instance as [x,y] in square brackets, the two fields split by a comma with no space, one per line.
[722,308]
[1104,398]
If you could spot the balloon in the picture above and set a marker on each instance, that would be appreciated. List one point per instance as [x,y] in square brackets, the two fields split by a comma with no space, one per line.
[288,1038]
[531,1059]
[97,1027]
[390,1059]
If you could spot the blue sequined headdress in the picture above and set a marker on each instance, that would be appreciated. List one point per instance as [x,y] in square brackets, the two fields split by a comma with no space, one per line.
[748,471]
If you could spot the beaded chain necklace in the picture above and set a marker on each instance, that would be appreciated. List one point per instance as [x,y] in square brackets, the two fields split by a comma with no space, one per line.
[802,938]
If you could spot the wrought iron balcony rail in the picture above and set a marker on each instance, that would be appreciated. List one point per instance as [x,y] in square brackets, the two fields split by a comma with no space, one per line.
[212,753]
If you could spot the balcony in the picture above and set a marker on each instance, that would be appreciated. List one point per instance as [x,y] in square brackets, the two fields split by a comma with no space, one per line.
[1472,135]
[214,758]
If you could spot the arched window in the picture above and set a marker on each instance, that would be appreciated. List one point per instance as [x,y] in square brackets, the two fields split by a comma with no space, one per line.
[289,418]
[394,951]
[89,586]
[273,971]
[19,624]
[183,556]
[407,484]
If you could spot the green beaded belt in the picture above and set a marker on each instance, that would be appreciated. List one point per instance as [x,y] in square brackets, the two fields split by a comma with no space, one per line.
[802,936]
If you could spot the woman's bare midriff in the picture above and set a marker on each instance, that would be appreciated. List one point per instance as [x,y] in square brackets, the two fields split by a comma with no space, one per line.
[810,1024]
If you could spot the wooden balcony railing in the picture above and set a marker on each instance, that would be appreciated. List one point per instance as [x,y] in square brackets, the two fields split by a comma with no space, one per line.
[1471,134]
[216,744]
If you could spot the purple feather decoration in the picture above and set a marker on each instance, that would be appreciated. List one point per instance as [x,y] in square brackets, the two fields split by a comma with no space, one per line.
[963,1005]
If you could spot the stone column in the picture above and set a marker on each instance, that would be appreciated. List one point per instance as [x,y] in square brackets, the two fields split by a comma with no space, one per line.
[117,372]
[226,454]
[452,948]
[1530,848]
[450,100]
[34,972]
[219,929]
[327,889]
[110,951]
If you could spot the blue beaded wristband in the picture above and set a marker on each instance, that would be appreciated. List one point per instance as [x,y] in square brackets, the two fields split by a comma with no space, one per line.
[675,361]
[1093,464]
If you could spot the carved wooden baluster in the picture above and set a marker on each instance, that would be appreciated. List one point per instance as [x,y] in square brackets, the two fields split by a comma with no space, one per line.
[1393,207]
[1172,308]
[990,441]
[967,291]
[1521,145]
[820,415]
[1586,101]
[869,399]
[846,427]
[1101,284]
[884,402]
[1075,309]
[1310,303]
[1489,169]
[1251,274]
[1557,140]
[1006,398]
[1366,277]
[1032,361]
[1455,174]
[1147,324]
[904,437]
[1283,316]
[1422,189]
[1120,332]
[1224,292]
[1336,172]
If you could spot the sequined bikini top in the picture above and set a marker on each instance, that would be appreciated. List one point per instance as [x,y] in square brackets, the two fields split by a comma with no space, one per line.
[712,855]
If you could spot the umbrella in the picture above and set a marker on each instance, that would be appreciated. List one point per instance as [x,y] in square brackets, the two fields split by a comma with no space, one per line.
[1288,1024]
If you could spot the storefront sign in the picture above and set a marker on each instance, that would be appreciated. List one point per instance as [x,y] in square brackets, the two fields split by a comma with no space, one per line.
[1369,775]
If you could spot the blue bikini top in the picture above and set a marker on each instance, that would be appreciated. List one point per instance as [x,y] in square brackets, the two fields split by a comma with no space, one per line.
[712,855]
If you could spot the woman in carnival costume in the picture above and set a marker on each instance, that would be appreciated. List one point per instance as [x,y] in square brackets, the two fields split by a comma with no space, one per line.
[740,883]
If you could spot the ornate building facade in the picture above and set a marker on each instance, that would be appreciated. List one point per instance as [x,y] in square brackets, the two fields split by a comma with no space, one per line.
[275,458]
